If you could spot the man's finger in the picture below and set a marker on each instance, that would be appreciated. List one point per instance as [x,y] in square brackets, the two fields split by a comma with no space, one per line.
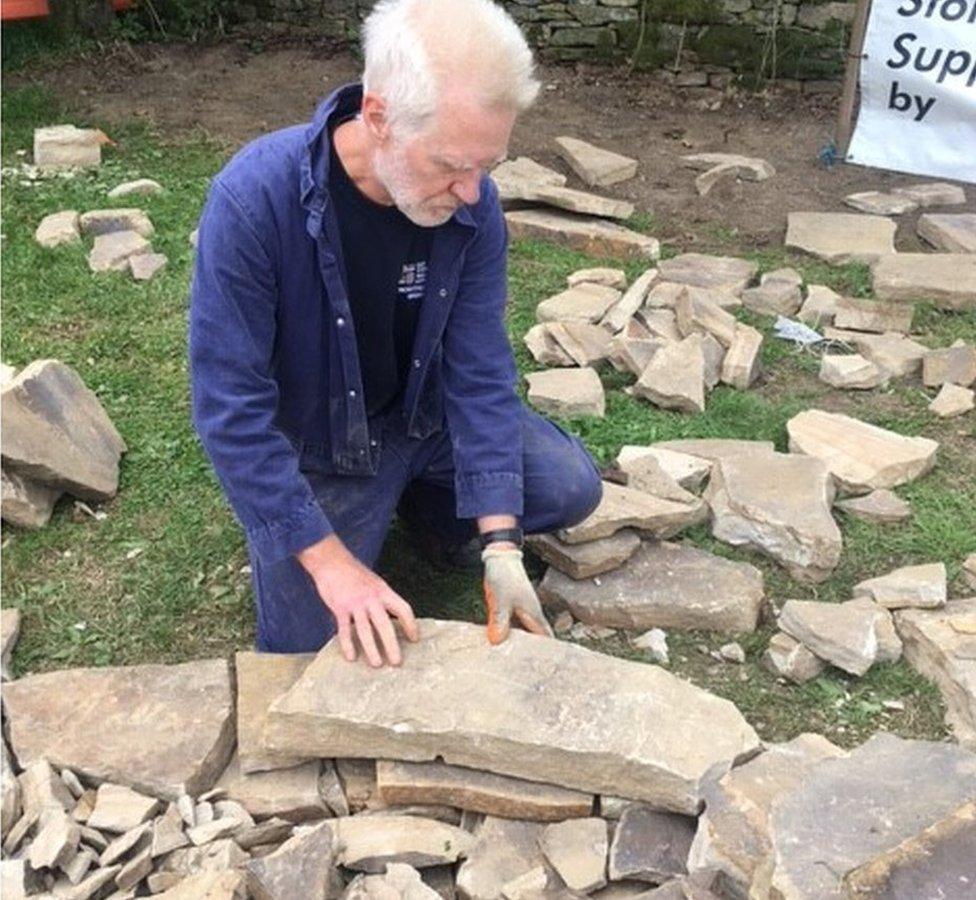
[532,623]
[345,637]
[364,631]
[404,613]
[499,616]
[384,628]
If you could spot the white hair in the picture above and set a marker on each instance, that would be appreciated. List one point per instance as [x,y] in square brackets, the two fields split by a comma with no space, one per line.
[415,49]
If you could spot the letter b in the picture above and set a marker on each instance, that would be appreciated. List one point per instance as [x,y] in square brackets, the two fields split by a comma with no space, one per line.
[899,100]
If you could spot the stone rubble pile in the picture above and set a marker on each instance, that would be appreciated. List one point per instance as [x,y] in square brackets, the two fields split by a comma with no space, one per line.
[57,438]
[543,770]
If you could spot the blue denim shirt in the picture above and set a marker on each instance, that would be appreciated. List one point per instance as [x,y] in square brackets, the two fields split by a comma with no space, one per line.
[274,368]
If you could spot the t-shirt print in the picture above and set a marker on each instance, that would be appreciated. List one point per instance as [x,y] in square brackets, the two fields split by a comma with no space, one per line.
[413,281]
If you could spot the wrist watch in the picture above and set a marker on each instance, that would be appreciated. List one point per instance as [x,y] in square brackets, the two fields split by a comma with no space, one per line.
[499,535]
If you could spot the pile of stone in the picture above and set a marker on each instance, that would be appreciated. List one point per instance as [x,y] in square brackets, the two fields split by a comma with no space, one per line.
[121,239]
[57,438]
[540,206]
[671,329]
[542,770]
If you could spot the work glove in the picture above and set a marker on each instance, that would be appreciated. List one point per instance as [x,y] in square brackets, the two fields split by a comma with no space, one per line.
[509,592]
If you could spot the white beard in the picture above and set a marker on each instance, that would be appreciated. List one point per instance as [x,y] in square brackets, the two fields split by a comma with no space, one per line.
[391,171]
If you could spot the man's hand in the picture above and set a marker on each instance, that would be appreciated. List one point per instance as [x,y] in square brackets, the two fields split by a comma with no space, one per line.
[509,592]
[360,599]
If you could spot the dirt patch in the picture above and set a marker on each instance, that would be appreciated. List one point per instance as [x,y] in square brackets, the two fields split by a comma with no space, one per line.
[234,94]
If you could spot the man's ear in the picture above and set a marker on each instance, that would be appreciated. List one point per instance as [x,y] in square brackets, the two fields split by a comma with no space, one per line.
[374,116]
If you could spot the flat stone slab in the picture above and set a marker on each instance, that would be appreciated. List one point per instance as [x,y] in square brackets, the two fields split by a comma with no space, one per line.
[369,843]
[666,586]
[586,302]
[933,193]
[565,198]
[401,782]
[923,587]
[870,315]
[622,507]
[66,147]
[718,273]
[788,658]
[881,506]
[144,266]
[58,228]
[568,715]
[939,645]
[523,168]
[162,730]
[594,165]
[733,832]
[587,559]
[615,278]
[955,233]
[953,400]
[714,449]
[848,635]
[675,377]
[504,850]
[291,793]
[851,372]
[594,237]
[851,810]
[879,203]
[633,298]
[119,809]
[820,306]
[689,471]
[56,432]
[947,280]
[567,392]
[955,365]
[860,456]
[650,845]
[778,504]
[753,167]
[303,866]
[577,850]
[583,343]
[894,354]
[840,238]
[111,251]
[106,221]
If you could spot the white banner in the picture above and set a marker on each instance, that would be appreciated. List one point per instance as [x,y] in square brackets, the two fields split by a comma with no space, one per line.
[918,89]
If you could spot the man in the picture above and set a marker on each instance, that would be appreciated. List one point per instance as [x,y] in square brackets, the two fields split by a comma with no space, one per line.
[348,351]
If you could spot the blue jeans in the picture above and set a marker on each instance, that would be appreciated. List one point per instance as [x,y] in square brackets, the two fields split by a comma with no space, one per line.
[561,487]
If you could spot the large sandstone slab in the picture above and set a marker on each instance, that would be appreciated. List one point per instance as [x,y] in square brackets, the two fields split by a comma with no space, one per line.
[942,647]
[594,165]
[881,507]
[565,198]
[291,793]
[946,279]
[881,204]
[531,707]
[852,810]
[933,193]
[951,233]
[567,392]
[483,792]
[860,456]
[667,586]
[714,449]
[594,237]
[718,273]
[587,559]
[56,432]
[922,586]
[840,238]
[622,507]
[523,168]
[778,504]
[733,832]
[871,315]
[162,730]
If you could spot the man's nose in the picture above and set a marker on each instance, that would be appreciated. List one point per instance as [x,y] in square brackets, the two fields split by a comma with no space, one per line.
[467,188]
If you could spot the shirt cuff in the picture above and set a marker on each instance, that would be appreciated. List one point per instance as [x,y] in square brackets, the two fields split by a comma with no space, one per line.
[276,541]
[488,494]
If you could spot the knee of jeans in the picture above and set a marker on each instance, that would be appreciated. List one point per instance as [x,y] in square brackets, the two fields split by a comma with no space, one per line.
[578,493]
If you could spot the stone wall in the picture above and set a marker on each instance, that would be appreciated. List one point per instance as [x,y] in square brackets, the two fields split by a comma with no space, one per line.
[771,38]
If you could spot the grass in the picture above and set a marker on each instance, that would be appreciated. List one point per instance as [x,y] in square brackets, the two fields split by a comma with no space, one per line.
[163,576]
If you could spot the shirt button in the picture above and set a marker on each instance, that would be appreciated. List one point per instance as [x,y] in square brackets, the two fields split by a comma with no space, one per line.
[416,363]
[352,393]
[340,321]
[442,292]
[373,443]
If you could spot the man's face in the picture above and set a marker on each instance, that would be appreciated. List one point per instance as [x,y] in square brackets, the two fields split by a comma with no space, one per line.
[430,175]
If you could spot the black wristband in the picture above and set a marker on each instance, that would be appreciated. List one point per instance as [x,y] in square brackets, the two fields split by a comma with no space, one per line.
[510,535]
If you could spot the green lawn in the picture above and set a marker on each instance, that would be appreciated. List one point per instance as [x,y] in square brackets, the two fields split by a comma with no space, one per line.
[162,577]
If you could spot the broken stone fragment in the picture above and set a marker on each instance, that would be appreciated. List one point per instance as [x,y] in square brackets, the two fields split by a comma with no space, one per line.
[650,845]
[675,377]
[623,507]
[111,251]
[585,344]
[871,315]
[582,202]
[778,504]
[753,168]
[789,659]
[141,187]
[851,372]
[840,238]
[615,278]
[594,165]
[291,793]
[690,472]
[525,169]
[646,474]
[66,147]
[720,273]
[216,857]
[544,347]
[950,233]
[837,820]
[732,652]
[56,840]
[119,808]
[57,433]
[138,836]
[369,843]
[704,317]
[664,585]
[632,355]
[134,870]
[9,632]
[40,787]
[893,353]
[10,786]
[921,586]
[593,237]
[655,642]
[484,792]
[26,503]
[58,228]
[933,193]
[220,885]
[881,506]
[144,266]
[848,635]
[584,303]
[953,400]
[587,559]
[955,365]
[633,298]
[741,365]
[400,881]
[732,835]
[819,307]
[939,644]
[779,293]
[567,392]
[106,221]
[577,850]
[576,749]
[881,204]
[98,722]
[860,456]
[948,280]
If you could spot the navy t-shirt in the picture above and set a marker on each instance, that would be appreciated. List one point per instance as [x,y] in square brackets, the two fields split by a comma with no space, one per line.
[385,257]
